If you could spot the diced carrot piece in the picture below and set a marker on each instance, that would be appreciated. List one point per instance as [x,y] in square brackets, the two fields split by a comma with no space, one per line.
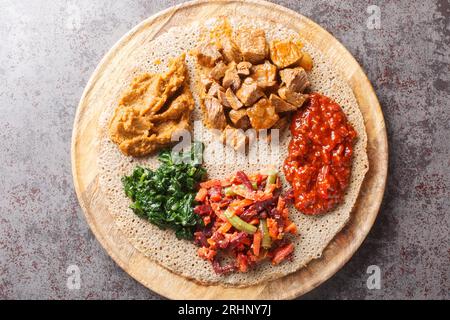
[210,183]
[225,183]
[282,253]
[257,242]
[201,195]
[292,228]
[261,196]
[246,202]
[240,203]
[211,242]
[216,207]
[215,197]
[281,204]
[242,263]
[237,206]
[223,204]
[215,194]
[224,228]
[272,225]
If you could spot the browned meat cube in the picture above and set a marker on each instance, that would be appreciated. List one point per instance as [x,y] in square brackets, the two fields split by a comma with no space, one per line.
[252,43]
[231,78]
[306,62]
[281,105]
[294,98]
[215,116]
[221,96]
[235,138]
[249,92]
[214,89]
[218,71]
[295,79]
[264,74]
[232,100]
[230,50]
[205,81]
[285,53]
[207,54]
[239,118]
[262,115]
[243,68]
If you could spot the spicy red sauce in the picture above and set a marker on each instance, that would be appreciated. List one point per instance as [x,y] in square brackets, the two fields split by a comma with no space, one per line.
[319,162]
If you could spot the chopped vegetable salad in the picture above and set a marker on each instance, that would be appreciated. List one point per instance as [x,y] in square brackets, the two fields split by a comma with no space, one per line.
[246,221]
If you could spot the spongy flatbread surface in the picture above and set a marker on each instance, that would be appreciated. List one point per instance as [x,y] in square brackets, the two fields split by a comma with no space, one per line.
[180,256]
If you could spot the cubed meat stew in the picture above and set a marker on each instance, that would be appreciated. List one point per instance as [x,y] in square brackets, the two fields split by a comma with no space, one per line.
[250,82]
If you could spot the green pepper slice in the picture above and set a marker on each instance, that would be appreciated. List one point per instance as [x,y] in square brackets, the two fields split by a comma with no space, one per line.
[238,223]
[266,241]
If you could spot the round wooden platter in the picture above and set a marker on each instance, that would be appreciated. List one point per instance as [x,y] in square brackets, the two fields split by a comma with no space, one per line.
[157,278]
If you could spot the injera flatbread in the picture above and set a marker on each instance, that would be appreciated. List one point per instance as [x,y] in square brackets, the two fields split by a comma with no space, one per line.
[180,256]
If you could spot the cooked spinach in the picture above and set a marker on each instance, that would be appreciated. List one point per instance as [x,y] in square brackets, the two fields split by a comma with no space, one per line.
[166,195]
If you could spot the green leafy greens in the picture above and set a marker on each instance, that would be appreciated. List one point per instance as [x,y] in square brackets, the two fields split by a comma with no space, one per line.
[166,195]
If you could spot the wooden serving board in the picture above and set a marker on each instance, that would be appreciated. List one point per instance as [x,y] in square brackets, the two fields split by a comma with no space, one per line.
[157,278]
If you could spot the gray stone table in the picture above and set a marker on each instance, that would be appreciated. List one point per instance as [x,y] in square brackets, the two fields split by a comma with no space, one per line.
[49,49]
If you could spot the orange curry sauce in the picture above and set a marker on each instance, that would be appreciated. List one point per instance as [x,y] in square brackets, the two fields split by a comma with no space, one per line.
[319,162]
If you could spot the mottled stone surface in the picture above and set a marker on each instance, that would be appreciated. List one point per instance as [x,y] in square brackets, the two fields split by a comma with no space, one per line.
[49,49]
